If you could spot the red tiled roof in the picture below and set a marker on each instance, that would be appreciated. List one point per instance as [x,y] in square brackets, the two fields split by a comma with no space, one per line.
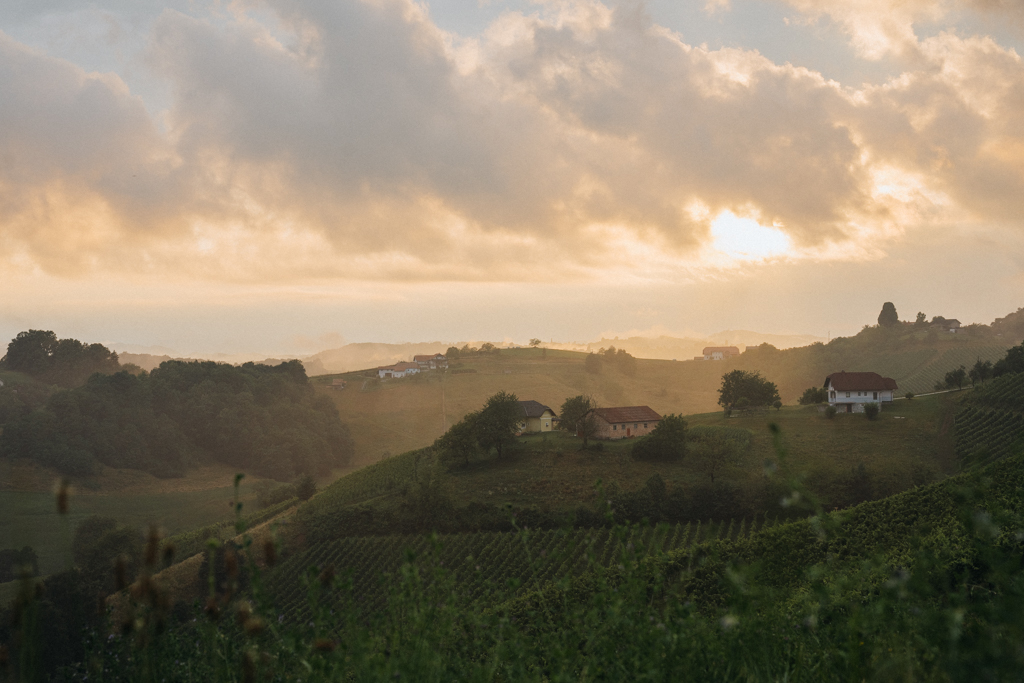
[860,381]
[708,350]
[627,414]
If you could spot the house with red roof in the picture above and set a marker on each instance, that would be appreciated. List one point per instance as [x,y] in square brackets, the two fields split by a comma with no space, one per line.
[431,361]
[625,423]
[849,391]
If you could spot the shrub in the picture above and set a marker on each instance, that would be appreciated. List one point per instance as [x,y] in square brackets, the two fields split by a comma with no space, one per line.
[813,395]
[830,412]
[909,395]
[666,442]
[871,410]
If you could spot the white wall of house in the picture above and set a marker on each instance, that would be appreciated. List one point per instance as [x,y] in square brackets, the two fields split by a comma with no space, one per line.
[857,398]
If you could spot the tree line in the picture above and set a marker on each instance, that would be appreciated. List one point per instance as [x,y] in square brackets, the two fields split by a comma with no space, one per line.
[264,419]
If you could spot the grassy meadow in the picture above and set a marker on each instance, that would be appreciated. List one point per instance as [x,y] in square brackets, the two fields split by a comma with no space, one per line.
[393,416]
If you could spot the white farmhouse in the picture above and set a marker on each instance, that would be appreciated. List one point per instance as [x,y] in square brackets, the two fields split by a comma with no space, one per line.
[849,391]
[397,370]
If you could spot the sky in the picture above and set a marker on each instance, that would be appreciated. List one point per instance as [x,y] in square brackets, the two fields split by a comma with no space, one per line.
[276,177]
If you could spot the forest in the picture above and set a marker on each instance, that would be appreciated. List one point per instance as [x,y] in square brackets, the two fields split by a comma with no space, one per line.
[267,420]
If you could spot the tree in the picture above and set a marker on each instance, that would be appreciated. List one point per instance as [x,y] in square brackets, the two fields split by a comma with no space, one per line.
[981,371]
[460,442]
[741,389]
[956,378]
[710,450]
[499,421]
[452,353]
[922,320]
[578,418]
[488,347]
[592,364]
[534,343]
[666,442]
[888,317]
[813,395]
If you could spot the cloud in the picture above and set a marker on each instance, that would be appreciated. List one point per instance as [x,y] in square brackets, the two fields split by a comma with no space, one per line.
[314,139]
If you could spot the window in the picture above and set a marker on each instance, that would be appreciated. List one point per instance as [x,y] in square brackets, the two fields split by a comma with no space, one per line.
[875,396]
[645,425]
[635,425]
[847,394]
[614,427]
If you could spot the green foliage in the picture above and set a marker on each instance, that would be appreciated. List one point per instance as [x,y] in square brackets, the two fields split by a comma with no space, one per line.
[888,317]
[830,412]
[13,563]
[619,359]
[955,378]
[498,422]
[813,395]
[741,389]
[666,442]
[871,410]
[577,418]
[460,443]
[592,364]
[65,362]
[452,354]
[1011,363]
[257,417]
[711,449]
[909,395]
[306,487]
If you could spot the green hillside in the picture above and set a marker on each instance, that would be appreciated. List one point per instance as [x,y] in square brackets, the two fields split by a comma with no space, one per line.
[990,421]
[394,416]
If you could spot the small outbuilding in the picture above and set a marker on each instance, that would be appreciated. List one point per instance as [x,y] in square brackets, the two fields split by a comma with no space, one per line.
[537,417]
[849,391]
[625,422]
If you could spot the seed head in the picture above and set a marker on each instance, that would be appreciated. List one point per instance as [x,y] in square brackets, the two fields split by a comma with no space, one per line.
[255,626]
[63,493]
[327,575]
[323,645]
[212,609]
[152,546]
[270,551]
[168,553]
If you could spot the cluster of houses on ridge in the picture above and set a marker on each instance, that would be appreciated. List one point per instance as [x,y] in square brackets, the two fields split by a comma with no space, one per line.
[848,392]
[612,423]
[419,364]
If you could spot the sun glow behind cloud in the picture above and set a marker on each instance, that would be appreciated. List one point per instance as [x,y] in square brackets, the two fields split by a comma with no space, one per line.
[745,239]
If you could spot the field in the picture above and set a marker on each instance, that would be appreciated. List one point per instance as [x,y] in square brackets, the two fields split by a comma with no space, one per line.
[27,516]
[910,444]
[394,416]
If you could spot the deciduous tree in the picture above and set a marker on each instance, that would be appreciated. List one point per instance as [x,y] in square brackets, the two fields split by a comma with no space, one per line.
[499,421]
[888,317]
[666,442]
[577,417]
[742,389]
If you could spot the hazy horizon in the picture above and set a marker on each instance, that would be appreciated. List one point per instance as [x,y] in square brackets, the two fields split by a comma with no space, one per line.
[260,177]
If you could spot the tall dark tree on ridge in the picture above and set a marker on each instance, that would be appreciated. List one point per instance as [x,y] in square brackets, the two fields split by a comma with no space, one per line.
[888,317]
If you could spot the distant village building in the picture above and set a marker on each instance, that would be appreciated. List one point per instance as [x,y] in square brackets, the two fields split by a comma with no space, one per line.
[950,326]
[626,422]
[397,370]
[338,384]
[431,362]
[537,417]
[719,352]
[849,391]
